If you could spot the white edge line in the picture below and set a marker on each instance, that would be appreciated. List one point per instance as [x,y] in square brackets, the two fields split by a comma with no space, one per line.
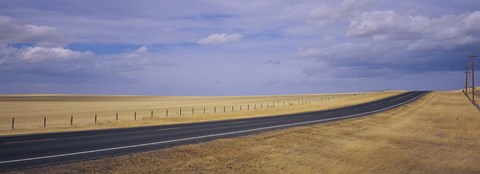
[208,136]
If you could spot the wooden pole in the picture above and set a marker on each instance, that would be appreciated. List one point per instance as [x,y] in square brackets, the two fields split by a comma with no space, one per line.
[116,117]
[135,116]
[13,123]
[473,78]
[466,79]
[45,122]
[71,120]
[95,118]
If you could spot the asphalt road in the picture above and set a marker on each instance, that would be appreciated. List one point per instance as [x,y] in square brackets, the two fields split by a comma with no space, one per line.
[28,151]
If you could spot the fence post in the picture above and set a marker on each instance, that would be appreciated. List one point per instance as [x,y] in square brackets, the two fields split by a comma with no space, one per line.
[13,123]
[241,107]
[135,116]
[193,111]
[166,113]
[232,107]
[215,109]
[71,120]
[116,117]
[45,122]
[261,106]
[248,107]
[224,109]
[204,110]
[95,118]
[180,111]
[255,107]
[151,114]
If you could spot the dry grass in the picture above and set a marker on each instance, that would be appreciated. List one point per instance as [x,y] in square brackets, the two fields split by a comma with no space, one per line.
[440,133]
[30,109]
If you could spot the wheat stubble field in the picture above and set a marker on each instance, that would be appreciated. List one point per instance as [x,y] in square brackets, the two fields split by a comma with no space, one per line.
[440,133]
[29,111]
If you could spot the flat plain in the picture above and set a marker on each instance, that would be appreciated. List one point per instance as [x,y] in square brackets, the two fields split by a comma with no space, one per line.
[439,133]
[30,111]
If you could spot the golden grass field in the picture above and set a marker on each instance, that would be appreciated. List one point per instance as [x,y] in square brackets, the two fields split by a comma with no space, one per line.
[29,110]
[439,133]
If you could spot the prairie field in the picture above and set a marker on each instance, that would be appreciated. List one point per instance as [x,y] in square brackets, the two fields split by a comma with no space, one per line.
[439,133]
[53,113]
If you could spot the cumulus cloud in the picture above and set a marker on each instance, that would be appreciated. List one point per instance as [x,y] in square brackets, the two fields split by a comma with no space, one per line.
[35,55]
[219,38]
[45,40]
[137,53]
[11,32]
[399,42]
[424,33]
[326,14]
[383,23]
[38,53]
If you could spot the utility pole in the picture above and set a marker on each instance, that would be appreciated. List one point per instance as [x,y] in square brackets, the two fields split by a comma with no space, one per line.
[466,78]
[473,63]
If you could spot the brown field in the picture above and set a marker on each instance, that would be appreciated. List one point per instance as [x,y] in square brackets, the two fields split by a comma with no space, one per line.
[440,133]
[29,110]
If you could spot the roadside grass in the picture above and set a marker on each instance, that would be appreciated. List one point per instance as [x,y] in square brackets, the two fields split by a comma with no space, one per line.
[439,133]
[29,110]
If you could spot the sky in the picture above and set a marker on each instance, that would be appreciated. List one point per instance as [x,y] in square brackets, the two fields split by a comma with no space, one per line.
[222,47]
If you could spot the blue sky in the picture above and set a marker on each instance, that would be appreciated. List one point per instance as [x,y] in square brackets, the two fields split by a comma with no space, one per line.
[210,47]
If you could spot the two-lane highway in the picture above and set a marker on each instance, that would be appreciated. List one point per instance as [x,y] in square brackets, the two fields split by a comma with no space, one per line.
[53,148]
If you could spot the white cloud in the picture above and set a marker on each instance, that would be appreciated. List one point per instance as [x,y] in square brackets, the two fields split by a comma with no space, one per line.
[219,38]
[11,32]
[137,53]
[35,54]
[382,23]
[326,14]
[424,33]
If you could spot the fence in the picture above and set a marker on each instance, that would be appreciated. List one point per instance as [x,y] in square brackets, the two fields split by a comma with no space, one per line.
[141,114]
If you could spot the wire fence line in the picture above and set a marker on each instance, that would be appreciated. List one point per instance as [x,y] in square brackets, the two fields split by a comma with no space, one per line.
[81,119]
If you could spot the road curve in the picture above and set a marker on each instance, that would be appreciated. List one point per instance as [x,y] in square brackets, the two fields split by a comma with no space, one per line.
[27,151]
